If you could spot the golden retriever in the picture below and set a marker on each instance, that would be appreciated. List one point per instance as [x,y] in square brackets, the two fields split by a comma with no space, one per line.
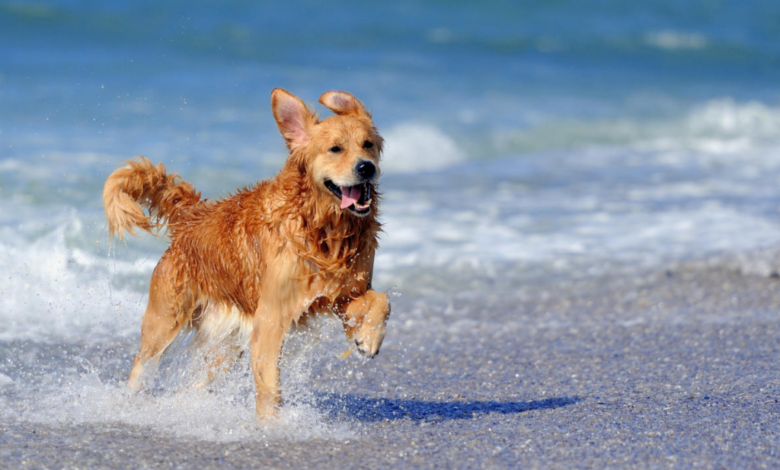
[244,269]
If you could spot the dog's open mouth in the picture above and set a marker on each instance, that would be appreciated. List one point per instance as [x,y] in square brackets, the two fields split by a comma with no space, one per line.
[355,198]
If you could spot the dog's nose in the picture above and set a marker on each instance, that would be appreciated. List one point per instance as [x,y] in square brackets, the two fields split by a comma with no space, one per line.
[366,170]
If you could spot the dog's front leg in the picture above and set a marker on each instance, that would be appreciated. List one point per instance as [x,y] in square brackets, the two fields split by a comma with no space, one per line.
[268,330]
[364,321]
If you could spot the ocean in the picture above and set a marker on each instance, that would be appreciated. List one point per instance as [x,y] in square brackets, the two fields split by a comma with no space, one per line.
[529,146]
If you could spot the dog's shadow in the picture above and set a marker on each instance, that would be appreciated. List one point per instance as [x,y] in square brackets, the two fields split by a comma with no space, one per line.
[362,408]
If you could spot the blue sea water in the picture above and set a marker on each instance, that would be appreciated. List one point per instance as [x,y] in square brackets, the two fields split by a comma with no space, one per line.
[526,141]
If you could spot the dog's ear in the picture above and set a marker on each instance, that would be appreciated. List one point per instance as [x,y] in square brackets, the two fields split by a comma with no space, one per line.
[293,117]
[341,103]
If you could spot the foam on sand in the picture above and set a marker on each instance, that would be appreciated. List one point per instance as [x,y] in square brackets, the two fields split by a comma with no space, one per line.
[82,392]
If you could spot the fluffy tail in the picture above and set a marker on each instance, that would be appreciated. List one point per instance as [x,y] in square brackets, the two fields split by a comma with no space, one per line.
[141,184]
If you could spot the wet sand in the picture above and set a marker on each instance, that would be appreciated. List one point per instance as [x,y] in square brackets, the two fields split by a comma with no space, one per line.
[675,368]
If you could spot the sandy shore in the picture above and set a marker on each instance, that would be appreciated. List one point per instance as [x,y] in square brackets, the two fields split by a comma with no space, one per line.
[676,368]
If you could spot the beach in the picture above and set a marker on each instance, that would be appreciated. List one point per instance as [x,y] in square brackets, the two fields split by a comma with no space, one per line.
[601,373]
[580,237]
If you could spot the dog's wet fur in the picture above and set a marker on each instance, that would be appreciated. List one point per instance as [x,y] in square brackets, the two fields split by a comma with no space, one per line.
[244,269]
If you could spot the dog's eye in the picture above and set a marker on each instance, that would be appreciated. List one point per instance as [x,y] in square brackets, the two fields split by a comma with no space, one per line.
[335,149]
[368,144]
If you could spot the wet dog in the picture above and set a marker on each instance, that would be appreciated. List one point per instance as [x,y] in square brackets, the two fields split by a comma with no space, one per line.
[244,269]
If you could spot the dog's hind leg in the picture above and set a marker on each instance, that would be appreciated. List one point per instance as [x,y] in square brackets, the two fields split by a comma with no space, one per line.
[166,313]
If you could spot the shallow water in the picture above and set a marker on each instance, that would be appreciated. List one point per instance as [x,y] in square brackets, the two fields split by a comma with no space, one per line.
[531,150]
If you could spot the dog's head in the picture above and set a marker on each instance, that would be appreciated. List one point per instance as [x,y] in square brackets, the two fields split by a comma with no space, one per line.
[340,154]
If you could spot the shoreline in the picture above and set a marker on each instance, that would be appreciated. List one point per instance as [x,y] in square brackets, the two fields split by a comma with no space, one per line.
[672,368]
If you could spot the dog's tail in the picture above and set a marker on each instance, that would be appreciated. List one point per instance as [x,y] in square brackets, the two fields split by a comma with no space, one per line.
[141,184]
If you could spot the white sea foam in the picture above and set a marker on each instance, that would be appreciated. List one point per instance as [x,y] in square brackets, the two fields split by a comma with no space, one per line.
[227,415]
[643,239]
[52,290]
[418,147]
[723,132]
[673,40]
[223,411]
[4,381]
[194,413]
[742,139]
[727,117]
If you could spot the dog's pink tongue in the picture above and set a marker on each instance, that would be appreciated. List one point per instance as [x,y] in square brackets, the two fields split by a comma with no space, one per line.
[349,196]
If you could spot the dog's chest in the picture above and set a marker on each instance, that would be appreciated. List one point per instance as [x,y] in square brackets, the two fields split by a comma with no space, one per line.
[345,284]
